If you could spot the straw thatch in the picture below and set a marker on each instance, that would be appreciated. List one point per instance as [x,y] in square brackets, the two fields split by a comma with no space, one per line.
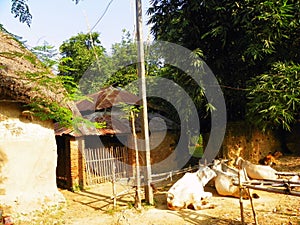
[24,78]
[106,98]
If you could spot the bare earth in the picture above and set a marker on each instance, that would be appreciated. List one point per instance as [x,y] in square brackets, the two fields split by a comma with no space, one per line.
[94,206]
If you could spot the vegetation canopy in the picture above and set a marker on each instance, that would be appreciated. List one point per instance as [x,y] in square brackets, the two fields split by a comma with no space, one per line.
[240,40]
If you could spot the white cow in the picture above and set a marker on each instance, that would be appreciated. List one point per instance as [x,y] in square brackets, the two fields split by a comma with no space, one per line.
[226,176]
[259,172]
[188,192]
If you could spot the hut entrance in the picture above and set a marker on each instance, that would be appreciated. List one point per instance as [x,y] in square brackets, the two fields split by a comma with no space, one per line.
[102,162]
[63,169]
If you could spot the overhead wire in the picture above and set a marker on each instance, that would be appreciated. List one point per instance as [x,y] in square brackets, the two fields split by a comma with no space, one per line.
[103,14]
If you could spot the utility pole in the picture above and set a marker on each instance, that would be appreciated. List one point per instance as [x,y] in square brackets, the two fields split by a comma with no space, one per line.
[142,92]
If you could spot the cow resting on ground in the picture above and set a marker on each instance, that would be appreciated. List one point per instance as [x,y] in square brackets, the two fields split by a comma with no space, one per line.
[226,176]
[259,172]
[270,159]
[188,192]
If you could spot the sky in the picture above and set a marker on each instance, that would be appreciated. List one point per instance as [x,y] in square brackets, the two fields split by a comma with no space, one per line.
[55,21]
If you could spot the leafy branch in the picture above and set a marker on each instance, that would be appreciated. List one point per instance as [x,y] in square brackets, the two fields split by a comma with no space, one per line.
[275,97]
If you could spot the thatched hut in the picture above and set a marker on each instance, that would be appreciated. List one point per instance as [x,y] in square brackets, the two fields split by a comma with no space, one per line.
[28,154]
[89,158]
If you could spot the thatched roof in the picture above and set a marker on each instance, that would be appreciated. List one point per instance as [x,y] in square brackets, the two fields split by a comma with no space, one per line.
[116,123]
[107,98]
[23,77]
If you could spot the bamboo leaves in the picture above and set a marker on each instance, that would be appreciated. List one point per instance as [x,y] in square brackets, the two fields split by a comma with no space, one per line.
[275,97]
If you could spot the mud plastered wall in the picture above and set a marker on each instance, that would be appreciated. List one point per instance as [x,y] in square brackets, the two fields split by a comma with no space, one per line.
[246,141]
[27,161]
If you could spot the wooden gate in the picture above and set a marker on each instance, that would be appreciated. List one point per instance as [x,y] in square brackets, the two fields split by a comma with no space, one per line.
[100,163]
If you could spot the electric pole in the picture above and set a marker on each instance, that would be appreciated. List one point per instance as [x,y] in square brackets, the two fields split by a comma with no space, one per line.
[142,92]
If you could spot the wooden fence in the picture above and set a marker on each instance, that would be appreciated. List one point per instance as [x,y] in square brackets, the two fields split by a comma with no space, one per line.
[100,163]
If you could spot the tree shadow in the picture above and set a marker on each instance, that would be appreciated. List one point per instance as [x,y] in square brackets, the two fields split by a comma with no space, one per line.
[196,217]
[193,216]
[98,201]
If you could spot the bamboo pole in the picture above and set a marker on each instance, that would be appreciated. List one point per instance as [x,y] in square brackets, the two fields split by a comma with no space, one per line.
[284,181]
[251,199]
[241,198]
[274,190]
[252,206]
[114,185]
[138,202]
[142,91]
[288,173]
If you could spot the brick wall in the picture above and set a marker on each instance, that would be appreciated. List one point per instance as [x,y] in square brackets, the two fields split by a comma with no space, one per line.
[77,163]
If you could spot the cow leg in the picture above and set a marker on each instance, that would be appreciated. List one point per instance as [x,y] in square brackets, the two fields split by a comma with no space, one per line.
[206,195]
[203,205]
[202,202]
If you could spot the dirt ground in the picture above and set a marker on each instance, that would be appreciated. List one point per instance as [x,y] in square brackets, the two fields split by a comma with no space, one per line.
[94,206]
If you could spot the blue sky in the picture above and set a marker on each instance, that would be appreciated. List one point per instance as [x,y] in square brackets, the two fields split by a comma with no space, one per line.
[55,21]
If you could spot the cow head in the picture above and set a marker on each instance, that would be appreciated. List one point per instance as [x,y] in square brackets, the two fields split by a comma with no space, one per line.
[239,162]
[205,174]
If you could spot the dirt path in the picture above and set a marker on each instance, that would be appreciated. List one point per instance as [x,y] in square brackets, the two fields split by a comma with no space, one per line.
[88,208]
[94,207]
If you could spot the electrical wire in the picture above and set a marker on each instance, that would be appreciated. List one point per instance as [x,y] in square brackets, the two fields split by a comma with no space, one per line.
[103,14]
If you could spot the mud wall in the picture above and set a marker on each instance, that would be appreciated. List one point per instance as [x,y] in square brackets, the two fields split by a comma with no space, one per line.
[292,140]
[27,161]
[248,142]
[162,146]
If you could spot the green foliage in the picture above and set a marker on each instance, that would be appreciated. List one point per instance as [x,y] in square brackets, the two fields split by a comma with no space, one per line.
[190,86]
[47,54]
[122,62]
[130,110]
[97,69]
[46,110]
[120,67]
[79,53]
[20,10]
[196,146]
[43,106]
[239,40]
[275,97]
[29,57]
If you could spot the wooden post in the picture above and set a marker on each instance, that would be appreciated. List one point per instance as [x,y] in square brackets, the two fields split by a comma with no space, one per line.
[114,185]
[250,198]
[138,202]
[252,206]
[142,91]
[241,198]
